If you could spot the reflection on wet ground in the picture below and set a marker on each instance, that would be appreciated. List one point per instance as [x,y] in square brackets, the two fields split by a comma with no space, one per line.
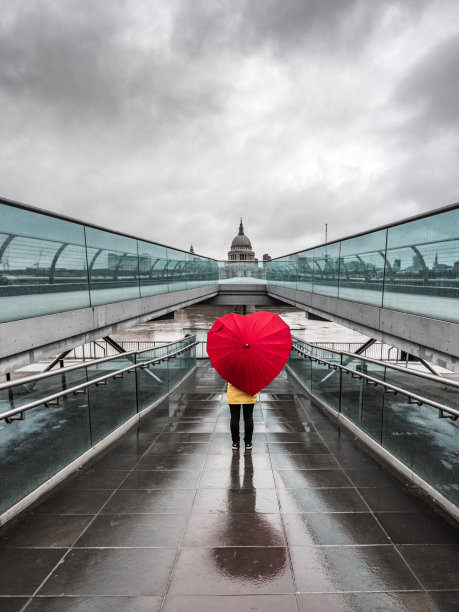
[170,519]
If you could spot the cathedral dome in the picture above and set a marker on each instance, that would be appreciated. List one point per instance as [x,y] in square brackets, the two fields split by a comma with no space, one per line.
[241,240]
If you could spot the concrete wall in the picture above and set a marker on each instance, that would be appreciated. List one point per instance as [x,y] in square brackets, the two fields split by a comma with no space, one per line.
[30,340]
[431,339]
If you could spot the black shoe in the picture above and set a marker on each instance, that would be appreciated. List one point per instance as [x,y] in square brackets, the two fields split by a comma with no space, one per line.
[235,446]
[248,446]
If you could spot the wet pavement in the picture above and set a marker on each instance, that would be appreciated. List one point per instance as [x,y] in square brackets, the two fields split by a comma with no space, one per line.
[170,519]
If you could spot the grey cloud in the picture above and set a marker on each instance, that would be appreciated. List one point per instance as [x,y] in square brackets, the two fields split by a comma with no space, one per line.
[298,23]
[426,144]
[69,60]
[52,53]
[328,27]
[431,91]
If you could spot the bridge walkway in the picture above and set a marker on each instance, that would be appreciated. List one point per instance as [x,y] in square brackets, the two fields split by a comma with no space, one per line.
[169,519]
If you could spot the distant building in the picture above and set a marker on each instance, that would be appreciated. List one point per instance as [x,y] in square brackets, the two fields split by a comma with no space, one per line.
[191,249]
[241,247]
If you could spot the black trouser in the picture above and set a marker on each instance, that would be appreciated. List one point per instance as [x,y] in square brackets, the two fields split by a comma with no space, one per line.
[248,421]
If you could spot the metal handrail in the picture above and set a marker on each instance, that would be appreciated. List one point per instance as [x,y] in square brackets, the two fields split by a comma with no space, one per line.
[96,381]
[418,399]
[432,377]
[35,377]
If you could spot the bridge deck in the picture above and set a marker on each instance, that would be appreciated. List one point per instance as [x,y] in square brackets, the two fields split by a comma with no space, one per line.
[170,519]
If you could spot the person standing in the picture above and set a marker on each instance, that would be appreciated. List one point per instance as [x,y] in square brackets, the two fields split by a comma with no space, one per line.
[237,399]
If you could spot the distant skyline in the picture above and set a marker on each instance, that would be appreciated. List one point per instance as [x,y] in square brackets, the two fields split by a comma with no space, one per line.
[172,119]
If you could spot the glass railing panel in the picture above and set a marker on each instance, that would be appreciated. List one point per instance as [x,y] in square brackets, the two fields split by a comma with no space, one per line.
[174,367]
[361,268]
[176,270]
[422,267]
[283,272]
[113,267]
[113,403]
[52,437]
[360,364]
[191,356]
[276,272]
[210,271]
[192,272]
[351,397]
[326,381]
[306,371]
[305,270]
[25,393]
[96,370]
[414,434]
[441,391]
[39,447]
[152,383]
[326,269]
[372,410]
[158,379]
[438,391]
[203,272]
[290,271]
[156,352]
[167,349]
[416,272]
[422,441]
[152,269]
[183,365]
[301,344]
[361,400]
[40,257]
[446,394]
[295,361]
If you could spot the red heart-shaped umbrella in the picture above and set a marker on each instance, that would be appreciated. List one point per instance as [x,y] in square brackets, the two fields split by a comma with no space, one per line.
[249,351]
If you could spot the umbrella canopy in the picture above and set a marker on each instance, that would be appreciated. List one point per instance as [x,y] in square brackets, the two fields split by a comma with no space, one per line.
[249,351]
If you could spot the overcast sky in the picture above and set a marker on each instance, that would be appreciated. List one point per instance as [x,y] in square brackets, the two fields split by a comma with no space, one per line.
[171,119]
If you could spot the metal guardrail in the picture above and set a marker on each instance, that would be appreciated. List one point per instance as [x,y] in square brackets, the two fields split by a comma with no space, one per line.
[53,400]
[413,398]
[394,366]
[380,362]
[77,366]
[101,348]
[378,350]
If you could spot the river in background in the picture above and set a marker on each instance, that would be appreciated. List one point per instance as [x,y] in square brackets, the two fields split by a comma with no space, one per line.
[197,320]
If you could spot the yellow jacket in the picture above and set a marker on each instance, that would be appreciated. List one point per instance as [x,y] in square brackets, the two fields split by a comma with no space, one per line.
[236,396]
